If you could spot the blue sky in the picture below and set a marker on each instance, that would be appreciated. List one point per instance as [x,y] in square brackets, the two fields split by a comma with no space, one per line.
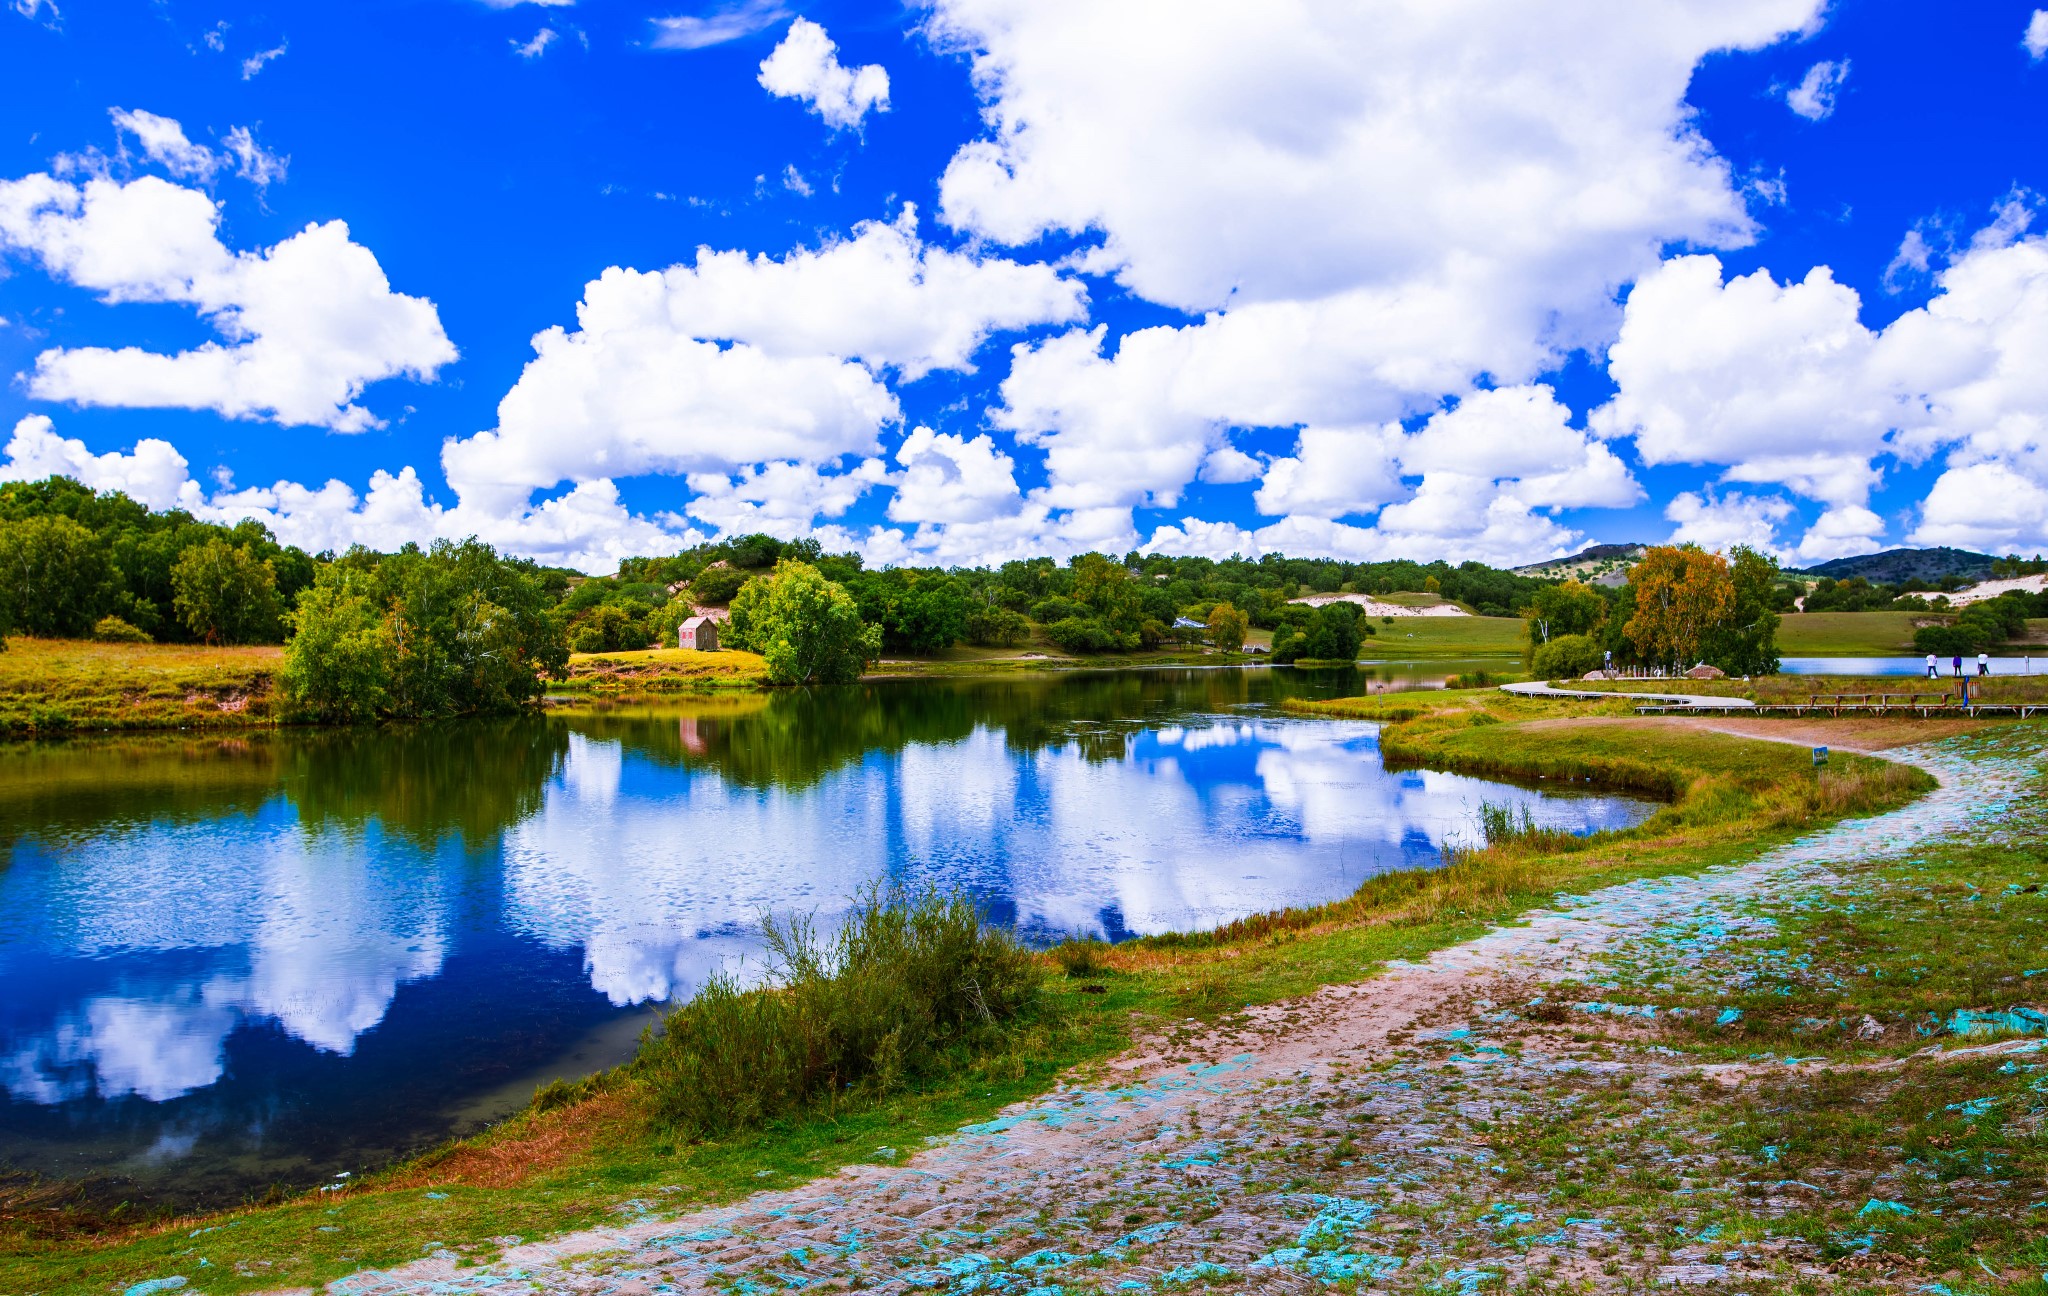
[995,277]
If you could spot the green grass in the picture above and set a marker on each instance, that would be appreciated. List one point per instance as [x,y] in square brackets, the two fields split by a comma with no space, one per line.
[1846,634]
[56,686]
[547,1171]
[1864,974]
[1463,636]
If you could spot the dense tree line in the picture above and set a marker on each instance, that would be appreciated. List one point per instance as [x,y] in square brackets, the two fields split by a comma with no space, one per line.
[458,629]
[449,630]
[75,563]
[1091,604]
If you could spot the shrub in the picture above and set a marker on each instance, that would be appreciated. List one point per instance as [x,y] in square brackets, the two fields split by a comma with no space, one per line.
[1080,956]
[1567,657]
[997,627]
[112,629]
[1947,640]
[1077,634]
[908,989]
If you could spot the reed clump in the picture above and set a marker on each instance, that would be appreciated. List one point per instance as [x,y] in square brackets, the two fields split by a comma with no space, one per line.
[1082,956]
[909,988]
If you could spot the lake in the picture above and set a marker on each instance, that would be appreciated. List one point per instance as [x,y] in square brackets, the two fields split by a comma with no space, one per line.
[232,961]
[1908,665]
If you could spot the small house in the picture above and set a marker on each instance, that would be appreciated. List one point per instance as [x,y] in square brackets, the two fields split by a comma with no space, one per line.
[699,632]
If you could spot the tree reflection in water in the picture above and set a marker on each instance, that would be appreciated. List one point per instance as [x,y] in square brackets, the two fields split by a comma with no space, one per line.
[235,960]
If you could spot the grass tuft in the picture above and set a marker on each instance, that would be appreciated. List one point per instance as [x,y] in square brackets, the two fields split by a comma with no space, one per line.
[910,987]
[1081,956]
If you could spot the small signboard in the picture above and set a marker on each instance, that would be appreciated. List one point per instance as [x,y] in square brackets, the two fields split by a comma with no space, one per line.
[1820,756]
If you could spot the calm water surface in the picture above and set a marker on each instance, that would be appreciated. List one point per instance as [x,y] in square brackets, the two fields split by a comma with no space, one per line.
[231,962]
[1908,665]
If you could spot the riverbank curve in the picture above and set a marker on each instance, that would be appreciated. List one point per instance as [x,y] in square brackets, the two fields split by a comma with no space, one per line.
[1541,688]
[1349,1136]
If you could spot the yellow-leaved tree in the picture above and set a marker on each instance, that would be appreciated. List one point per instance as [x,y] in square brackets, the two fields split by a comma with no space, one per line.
[1681,593]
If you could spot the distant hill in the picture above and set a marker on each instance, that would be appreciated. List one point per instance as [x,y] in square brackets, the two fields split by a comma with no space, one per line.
[1601,564]
[1896,565]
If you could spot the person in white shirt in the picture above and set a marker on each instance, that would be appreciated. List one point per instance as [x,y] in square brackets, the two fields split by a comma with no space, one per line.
[1983,664]
[1933,667]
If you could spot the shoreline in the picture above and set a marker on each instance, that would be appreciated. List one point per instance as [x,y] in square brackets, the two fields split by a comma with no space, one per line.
[1263,958]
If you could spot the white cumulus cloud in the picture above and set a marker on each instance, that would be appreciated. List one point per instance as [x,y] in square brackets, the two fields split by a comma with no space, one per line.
[948,478]
[2036,38]
[736,361]
[154,473]
[1417,195]
[806,66]
[1719,524]
[1786,386]
[307,324]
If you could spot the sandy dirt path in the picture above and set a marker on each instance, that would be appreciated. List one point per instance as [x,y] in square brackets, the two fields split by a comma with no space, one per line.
[1348,1135]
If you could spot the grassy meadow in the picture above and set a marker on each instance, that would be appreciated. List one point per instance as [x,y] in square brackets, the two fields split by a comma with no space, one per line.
[573,1157]
[661,670]
[1466,636]
[56,686]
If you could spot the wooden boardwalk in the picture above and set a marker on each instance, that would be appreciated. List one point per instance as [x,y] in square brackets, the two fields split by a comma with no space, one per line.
[1922,705]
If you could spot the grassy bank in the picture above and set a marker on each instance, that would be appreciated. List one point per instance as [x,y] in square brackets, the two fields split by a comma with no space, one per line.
[661,670]
[58,686]
[1864,634]
[590,1152]
[1443,636]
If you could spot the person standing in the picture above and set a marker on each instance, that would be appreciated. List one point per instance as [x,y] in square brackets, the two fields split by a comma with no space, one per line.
[1933,667]
[1983,665]
[1959,665]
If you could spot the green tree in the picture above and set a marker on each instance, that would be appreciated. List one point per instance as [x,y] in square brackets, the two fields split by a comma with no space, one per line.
[1107,590]
[1227,627]
[55,578]
[1682,593]
[611,627]
[993,626]
[808,628]
[225,594]
[1332,634]
[459,631]
[1567,657]
[716,586]
[1567,608]
[337,667]
[1745,640]
[922,612]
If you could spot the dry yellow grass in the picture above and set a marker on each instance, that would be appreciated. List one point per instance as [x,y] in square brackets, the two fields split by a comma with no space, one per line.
[52,686]
[664,670]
